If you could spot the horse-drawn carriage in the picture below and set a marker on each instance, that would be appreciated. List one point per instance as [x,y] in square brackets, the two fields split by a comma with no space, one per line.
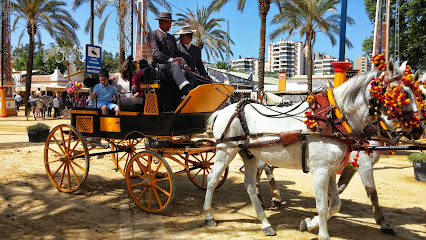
[141,143]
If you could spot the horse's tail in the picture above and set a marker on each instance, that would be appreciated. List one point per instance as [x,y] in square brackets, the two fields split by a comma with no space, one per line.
[212,119]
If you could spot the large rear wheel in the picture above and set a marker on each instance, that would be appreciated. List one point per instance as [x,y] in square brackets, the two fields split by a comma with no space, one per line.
[200,164]
[150,181]
[66,158]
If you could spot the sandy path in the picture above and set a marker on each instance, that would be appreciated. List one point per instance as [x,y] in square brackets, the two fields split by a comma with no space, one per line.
[31,208]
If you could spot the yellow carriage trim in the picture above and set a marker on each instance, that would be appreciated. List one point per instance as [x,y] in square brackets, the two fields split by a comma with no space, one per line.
[110,124]
[205,98]
[84,124]
[91,112]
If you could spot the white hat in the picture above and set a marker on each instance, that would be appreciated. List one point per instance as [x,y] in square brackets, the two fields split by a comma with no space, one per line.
[185,30]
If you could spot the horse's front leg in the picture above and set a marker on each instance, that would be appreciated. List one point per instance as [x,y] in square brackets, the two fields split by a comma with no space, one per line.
[250,166]
[365,171]
[223,158]
[260,166]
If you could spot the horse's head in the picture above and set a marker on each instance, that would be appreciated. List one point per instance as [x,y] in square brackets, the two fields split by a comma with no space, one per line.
[402,101]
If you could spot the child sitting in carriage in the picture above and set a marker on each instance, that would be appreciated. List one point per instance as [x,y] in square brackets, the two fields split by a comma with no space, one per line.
[103,93]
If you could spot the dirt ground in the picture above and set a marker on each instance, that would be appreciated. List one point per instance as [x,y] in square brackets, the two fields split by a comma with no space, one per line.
[32,208]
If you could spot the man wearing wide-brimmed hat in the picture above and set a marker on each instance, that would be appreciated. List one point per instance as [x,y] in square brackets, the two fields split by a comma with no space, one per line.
[191,53]
[165,52]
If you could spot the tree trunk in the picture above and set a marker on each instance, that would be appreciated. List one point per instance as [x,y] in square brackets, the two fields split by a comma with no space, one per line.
[31,33]
[309,61]
[123,6]
[264,6]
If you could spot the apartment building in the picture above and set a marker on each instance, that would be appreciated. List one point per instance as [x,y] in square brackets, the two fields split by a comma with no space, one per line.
[286,56]
[322,63]
[363,64]
[245,64]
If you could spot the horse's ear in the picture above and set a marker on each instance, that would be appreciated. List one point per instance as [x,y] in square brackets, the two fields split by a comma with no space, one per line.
[402,67]
[329,85]
[416,75]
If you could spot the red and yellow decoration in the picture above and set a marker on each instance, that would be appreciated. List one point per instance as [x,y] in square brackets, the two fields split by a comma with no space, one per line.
[310,122]
[379,62]
[354,163]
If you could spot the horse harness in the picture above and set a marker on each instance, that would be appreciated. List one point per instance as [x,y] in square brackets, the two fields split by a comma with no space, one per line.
[328,117]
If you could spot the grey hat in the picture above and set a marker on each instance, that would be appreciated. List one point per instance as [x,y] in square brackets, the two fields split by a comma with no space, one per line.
[185,30]
[165,16]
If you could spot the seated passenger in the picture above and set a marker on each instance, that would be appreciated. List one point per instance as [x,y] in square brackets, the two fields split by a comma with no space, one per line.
[103,93]
[121,82]
[138,78]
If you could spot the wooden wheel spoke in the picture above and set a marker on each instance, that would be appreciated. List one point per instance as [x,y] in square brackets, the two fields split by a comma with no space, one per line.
[198,172]
[69,177]
[77,156]
[59,145]
[149,197]
[75,175]
[157,197]
[75,145]
[54,151]
[57,170]
[62,177]
[158,168]
[196,157]
[57,160]
[82,168]
[211,158]
[161,189]
[137,174]
[142,193]
[160,179]
[69,139]
[142,167]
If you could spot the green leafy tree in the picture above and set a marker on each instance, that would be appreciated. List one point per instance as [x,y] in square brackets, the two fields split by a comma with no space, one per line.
[222,65]
[209,36]
[264,6]
[121,8]
[110,62]
[412,37]
[35,15]
[307,18]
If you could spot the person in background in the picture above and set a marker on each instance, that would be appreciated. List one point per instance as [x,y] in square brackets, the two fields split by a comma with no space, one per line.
[138,78]
[191,53]
[38,93]
[56,107]
[18,100]
[103,92]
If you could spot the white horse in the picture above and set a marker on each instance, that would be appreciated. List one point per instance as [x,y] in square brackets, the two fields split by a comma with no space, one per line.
[323,155]
[365,171]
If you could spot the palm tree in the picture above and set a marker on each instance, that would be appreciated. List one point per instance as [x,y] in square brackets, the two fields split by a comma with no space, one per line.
[49,15]
[309,17]
[207,37]
[121,7]
[264,6]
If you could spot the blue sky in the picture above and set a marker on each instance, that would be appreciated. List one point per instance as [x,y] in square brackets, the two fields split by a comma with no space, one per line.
[244,28]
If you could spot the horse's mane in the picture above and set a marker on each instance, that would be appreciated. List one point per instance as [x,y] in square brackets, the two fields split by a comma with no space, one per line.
[350,93]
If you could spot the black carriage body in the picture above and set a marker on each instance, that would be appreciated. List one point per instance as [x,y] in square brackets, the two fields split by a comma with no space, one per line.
[91,123]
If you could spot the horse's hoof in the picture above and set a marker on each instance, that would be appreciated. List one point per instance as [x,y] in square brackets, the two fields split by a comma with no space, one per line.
[303,226]
[211,222]
[275,205]
[388,231]
[269,231]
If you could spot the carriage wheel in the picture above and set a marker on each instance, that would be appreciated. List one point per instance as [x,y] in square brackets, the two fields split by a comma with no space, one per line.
[66,158]
[131,146]
[201,163]
[152,190]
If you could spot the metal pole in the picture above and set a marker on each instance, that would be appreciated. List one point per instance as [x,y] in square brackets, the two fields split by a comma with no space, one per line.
[343,30]
[92,18]
[2,41]
[131,43]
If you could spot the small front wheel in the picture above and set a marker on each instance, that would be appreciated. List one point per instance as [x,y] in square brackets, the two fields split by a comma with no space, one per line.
[66,158]
[150,181]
